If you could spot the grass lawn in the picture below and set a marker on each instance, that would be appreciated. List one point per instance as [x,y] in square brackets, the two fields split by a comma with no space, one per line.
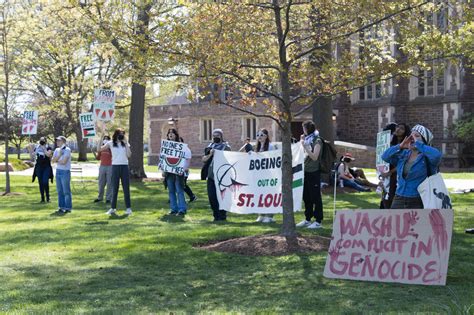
[85,262]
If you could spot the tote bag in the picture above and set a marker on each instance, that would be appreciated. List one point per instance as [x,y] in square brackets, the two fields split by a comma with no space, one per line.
[433,191]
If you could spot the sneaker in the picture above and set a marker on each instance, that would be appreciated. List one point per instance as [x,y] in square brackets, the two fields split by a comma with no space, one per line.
[180,214]
[98,200]
[173,213]
[303,223]
[67,210]
[128,211]
[111,211]
[470,231]
[268,220]
[193,199]
[59,212]
[315,225]
[260,218]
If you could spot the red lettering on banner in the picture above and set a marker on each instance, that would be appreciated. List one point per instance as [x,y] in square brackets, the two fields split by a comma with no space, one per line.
[411,271]
[428,271]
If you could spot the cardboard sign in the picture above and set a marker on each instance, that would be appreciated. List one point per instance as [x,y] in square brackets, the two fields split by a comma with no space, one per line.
[405,246]
[104,104]
[87,125]
[30,122]
[251,183]
[173,156]
[383,143]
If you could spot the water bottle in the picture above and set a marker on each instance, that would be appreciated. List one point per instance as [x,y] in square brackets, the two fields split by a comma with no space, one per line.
[379,190]
[341,183]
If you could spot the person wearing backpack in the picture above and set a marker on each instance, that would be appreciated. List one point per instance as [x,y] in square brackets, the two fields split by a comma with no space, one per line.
[312,145]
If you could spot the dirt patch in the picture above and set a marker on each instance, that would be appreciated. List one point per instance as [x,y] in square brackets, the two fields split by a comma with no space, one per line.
[2,193]
[268,245]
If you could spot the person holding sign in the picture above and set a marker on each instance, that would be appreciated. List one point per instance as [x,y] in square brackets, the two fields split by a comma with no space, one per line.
[411,157]
[120,154]
[264,144]
[105,171]
[41,154]
[62,156]
[208,172]
[176,182]
[313,203]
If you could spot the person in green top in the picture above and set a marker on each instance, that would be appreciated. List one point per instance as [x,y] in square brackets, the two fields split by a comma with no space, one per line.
[313,203]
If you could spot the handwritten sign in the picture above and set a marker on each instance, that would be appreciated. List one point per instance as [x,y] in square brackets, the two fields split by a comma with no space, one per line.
[104,104]
[383,143]
[87,125]
[30,122]
[251,183]
[405,246]
[173,156]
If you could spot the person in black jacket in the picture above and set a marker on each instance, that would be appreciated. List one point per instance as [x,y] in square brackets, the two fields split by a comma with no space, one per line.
[41,153]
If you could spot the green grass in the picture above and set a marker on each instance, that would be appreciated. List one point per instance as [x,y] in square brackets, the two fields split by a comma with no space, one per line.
[87,263]
[465,175]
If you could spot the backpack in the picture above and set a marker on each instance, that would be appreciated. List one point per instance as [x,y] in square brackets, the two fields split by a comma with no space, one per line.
[327,156]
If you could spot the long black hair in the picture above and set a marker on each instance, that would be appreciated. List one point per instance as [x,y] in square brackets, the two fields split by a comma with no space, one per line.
[172,130]
[115,139]
[406,134]
[267,141]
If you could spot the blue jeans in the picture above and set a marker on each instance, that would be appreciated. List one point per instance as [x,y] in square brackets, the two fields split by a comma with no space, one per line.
[176,193]
[63,186]
[353,184]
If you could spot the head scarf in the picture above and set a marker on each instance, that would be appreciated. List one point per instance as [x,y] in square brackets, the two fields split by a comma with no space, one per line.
[425,133]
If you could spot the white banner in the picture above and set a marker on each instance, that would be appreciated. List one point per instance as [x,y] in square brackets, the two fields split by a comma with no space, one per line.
[173,156]
[383,143]
[87,125]
[30,122]
[391,245]
[104,104]
[251,183]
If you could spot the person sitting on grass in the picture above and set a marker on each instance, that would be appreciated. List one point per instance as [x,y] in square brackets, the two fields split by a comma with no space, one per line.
[345,175]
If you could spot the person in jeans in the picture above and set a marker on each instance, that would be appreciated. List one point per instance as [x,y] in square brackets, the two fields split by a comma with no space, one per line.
[346,176]
[105,171]
[176,182]
[413,156]
[313,203]
[264,144]
[62,156]
[218,143]
[120,154]
[41,154]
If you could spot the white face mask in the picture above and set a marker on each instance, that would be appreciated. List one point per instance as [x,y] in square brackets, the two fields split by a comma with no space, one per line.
[104,142]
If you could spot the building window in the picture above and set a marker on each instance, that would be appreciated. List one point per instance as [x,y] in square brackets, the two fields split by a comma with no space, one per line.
[371,91]
[430,82]
[250,128]
[206,129]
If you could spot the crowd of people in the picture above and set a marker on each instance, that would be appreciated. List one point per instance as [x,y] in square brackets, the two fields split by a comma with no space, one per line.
[411,158]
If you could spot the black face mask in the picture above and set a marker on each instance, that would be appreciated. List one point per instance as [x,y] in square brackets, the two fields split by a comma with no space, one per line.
[347,160]
[120,137]
[42,142]
[216,140]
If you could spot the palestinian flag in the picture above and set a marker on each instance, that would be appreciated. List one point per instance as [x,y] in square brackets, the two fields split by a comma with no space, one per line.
[298,176]
[88,132]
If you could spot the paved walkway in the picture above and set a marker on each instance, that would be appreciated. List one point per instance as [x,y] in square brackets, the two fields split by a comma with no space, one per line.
[92,170]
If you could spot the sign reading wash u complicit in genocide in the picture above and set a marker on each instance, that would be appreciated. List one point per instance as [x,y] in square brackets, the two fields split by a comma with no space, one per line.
[173,156]
[251,183]
[405,246]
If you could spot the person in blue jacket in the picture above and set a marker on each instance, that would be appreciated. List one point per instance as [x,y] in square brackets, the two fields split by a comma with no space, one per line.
[412,157]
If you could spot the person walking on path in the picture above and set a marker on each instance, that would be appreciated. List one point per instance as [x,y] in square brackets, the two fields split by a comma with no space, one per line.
[41,154]
[62,156]
[105,171]
[120,154]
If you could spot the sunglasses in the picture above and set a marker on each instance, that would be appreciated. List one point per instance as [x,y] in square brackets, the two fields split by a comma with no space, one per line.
[260,134]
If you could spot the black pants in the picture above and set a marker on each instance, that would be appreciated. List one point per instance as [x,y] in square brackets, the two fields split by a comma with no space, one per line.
[219,215]
[43,173]
[313,204]
[187,189]
[407,203]
[120,173]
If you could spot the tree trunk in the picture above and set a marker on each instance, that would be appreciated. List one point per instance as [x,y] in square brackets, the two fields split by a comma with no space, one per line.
[136,123]
[322,116]
[288,226]
[18,151]
[81,143]
[7,128]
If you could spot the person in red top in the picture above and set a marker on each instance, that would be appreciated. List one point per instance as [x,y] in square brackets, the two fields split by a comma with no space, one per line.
[105,171]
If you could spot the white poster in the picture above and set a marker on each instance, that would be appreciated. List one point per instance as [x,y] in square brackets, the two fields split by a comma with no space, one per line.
[173,156]
[104,104]
[251,183]
[87,125]
[30,122]
[383,143]
[391,245]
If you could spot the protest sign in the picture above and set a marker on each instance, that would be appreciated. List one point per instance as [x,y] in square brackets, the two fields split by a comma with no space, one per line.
[404,246]
[30,122]
[87,125]
[251,183]
[173,156]
[104,104]
[383,143]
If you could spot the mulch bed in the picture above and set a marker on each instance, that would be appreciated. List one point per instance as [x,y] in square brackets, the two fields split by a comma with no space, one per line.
[268,245]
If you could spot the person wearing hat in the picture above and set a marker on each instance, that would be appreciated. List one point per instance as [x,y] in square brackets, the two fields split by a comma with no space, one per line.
[345,175]
[413,156]
[62,156]
[218,143]
[41,153]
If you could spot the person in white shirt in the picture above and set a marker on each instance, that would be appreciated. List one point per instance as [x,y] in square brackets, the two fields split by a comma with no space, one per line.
[62,156]
[120,154]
